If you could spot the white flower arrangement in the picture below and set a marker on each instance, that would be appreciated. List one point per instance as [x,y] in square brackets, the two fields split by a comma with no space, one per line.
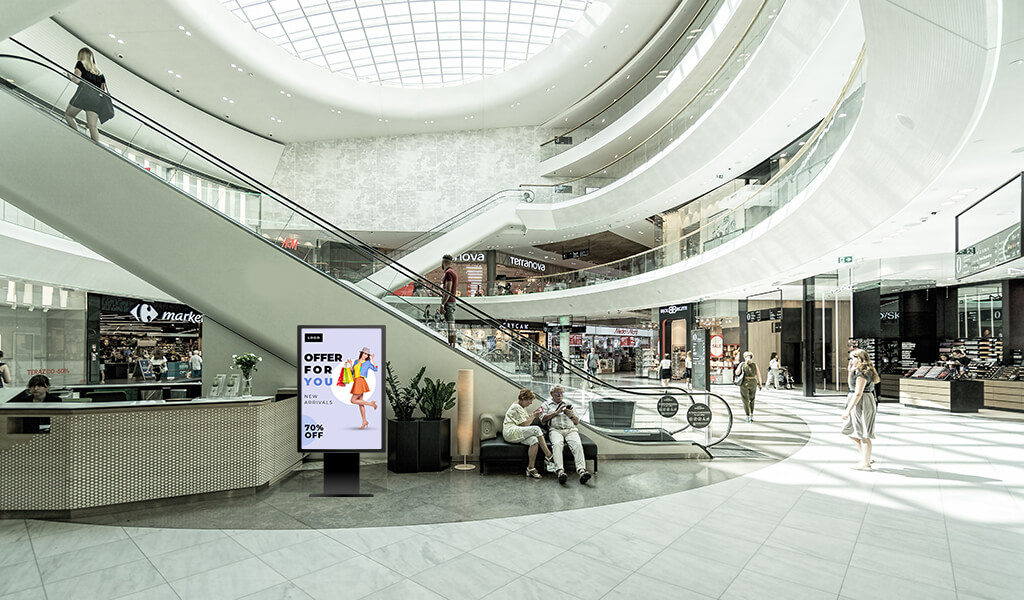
[246,363]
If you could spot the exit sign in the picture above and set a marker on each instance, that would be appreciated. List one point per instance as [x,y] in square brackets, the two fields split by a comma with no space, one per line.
[845,259]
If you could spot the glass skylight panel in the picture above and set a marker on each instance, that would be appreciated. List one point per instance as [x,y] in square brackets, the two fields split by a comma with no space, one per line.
[413,43]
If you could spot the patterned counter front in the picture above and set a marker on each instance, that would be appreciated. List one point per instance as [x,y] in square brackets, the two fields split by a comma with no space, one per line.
[98,456]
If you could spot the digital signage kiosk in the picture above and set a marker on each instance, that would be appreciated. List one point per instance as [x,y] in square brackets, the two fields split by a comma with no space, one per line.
[341,399]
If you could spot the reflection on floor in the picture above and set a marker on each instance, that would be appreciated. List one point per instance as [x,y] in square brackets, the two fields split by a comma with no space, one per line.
[941,517]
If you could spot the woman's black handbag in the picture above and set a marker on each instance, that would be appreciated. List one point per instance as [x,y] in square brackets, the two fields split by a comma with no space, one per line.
[106,111]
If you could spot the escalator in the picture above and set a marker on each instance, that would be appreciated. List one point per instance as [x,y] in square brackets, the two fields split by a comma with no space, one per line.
[232,267]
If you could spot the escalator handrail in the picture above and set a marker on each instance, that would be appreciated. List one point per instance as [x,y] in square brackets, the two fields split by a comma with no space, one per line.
[533,347]
[455,219]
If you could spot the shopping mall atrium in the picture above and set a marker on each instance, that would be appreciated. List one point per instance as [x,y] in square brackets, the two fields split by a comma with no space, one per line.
[284,277]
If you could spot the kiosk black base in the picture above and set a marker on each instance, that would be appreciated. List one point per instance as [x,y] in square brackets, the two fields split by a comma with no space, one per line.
[341,476]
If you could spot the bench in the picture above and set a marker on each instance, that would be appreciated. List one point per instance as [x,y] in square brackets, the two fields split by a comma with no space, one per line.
[497,450]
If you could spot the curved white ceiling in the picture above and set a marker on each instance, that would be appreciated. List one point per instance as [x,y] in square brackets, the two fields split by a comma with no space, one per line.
[411,43]
[188,47]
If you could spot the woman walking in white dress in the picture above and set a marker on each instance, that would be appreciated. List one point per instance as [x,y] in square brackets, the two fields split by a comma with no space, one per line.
[861,406]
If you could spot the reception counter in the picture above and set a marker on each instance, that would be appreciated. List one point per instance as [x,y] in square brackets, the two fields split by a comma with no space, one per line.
[92,455]
[960,396]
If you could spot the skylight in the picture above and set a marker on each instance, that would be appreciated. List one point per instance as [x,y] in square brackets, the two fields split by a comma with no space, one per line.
[411,43]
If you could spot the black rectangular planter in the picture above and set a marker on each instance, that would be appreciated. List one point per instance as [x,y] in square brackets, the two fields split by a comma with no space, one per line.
[435,445]
[403,446]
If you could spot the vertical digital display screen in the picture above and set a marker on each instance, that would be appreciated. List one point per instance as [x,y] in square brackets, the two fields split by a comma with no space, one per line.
[341,389]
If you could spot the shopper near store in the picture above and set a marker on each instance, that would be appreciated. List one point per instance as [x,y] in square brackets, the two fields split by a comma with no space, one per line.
[450,283]
[774,371]
[562,431]
[519,428]
[962,362]
[751,383]
[5,372]
[89,98]
[592,362]
[158,365]
[688,373]
[861,406]
[666,369]
[195,364]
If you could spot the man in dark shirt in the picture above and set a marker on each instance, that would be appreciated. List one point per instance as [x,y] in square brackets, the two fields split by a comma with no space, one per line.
[450,283]
[38,391]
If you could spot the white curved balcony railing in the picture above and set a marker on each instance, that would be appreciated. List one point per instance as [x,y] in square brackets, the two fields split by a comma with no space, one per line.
[717,228]
[699,103]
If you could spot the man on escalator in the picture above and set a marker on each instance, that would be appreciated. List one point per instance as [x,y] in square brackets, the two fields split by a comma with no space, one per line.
[450,283]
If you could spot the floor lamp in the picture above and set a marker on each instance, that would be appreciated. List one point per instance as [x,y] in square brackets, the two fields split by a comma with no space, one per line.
[464,429]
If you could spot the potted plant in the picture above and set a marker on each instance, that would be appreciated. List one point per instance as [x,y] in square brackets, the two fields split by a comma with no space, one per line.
[436,396]
[403,431]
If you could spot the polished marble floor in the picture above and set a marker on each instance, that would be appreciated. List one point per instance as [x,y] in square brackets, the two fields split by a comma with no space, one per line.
[941,517]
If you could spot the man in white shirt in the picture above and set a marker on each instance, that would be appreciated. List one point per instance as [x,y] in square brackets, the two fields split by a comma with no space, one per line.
[195,364]
[562,422]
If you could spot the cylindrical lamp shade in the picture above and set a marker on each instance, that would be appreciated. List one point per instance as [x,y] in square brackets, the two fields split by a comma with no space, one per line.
[464,394]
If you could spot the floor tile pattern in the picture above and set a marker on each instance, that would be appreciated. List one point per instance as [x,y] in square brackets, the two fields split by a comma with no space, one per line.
[942,516]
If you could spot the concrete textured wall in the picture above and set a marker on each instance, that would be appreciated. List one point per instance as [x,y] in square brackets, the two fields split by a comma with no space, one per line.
[406,183]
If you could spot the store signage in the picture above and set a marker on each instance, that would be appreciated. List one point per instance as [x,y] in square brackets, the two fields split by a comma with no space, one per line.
[717,346]
[471,257]
[675,308]
[341,395]
[668,406]
[989,252]
[766,314]
[576,254]
[525,263]
[522,325]
[890,315]
[576,339]
[148,312]
[618,331]
[698,415]
[290,243]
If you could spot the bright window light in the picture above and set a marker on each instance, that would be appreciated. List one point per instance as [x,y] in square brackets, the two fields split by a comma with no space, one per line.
[342,34]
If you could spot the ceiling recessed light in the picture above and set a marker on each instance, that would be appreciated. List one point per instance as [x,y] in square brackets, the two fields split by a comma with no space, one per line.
[112,36]
[957,196]
[120,41]
[1019,61]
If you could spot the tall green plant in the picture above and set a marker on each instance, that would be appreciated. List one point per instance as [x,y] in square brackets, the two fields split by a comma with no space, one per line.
[436,397]
[403,399]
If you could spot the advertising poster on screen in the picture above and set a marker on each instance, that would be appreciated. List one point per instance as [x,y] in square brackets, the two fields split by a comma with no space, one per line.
[341,389]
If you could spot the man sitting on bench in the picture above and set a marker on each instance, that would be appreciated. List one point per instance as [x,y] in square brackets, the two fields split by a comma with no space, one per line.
[562,422]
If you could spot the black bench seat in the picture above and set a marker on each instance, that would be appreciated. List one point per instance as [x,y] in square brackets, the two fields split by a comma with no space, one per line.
[497,450]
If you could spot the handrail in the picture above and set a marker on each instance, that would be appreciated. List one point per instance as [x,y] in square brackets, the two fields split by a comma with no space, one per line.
[823,126]
[521,340]
[526,196]
[640,79]
[671,119]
